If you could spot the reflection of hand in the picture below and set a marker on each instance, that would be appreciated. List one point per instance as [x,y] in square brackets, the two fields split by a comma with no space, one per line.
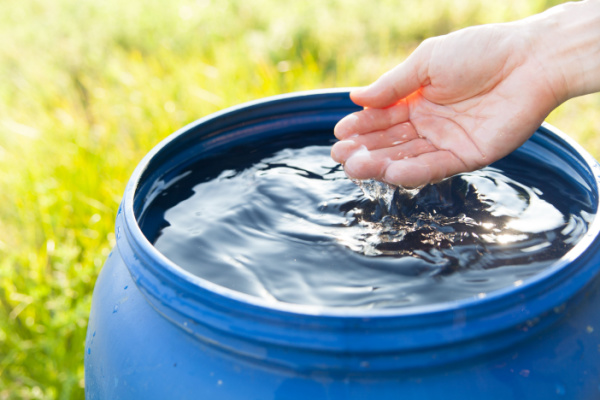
[462,101]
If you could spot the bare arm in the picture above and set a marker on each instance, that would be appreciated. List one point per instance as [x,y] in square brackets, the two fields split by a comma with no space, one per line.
[464,100]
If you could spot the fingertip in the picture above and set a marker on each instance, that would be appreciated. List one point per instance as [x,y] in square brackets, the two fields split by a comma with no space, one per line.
[373,96]
[426,168]
[362,165]
[407,173]
[357,94]
[342,150]
[346,127]
[394,85]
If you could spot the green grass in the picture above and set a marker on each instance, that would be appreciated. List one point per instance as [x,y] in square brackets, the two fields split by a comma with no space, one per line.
[88,87]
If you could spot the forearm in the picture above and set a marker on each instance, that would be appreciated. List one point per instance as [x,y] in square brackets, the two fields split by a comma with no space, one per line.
[566,39]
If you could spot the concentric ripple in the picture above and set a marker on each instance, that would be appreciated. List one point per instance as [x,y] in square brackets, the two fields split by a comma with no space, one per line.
[293,228]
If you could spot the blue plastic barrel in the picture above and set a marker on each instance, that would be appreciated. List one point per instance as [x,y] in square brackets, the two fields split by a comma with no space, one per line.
[158,332]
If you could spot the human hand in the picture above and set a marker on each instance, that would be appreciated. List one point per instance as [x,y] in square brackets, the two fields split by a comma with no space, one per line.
[459,102]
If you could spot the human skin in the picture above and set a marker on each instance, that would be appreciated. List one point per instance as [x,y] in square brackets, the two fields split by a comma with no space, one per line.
[464,100]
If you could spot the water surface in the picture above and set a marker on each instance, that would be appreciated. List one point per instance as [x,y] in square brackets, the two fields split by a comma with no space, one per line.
[291,227]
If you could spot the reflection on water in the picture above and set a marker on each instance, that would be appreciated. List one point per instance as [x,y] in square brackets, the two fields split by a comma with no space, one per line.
[293,228]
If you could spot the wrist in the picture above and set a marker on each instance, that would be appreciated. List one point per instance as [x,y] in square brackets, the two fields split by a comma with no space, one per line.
[566,41]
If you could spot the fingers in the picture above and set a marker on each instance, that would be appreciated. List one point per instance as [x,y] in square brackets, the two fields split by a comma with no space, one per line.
[370,120]
[426,168]
[409,171]
[373,164]
[388,138]
[397,83]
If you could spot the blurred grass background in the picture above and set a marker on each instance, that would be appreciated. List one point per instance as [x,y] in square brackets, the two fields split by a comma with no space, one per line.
[88,87]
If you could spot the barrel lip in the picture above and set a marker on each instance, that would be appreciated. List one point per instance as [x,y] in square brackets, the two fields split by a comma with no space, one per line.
[194,285]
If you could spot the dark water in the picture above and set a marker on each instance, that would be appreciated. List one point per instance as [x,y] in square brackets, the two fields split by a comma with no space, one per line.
[293,228]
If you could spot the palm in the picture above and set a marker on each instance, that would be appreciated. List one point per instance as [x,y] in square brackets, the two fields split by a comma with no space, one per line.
[455,114]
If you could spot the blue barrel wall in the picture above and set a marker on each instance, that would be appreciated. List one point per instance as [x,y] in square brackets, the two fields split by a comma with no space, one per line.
[158,332]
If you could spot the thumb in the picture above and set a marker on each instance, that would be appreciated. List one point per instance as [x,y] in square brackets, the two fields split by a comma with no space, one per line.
[395,84]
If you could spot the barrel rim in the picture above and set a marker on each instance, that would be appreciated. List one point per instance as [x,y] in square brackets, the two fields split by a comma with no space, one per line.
[184,279]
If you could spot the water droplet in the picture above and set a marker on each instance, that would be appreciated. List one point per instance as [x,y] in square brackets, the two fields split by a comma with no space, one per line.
[428,229]
[116,308]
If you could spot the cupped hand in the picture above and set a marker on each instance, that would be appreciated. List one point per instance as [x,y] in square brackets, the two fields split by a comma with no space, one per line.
[459,102]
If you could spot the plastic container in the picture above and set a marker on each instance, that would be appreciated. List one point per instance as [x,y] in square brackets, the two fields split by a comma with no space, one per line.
[157,332]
